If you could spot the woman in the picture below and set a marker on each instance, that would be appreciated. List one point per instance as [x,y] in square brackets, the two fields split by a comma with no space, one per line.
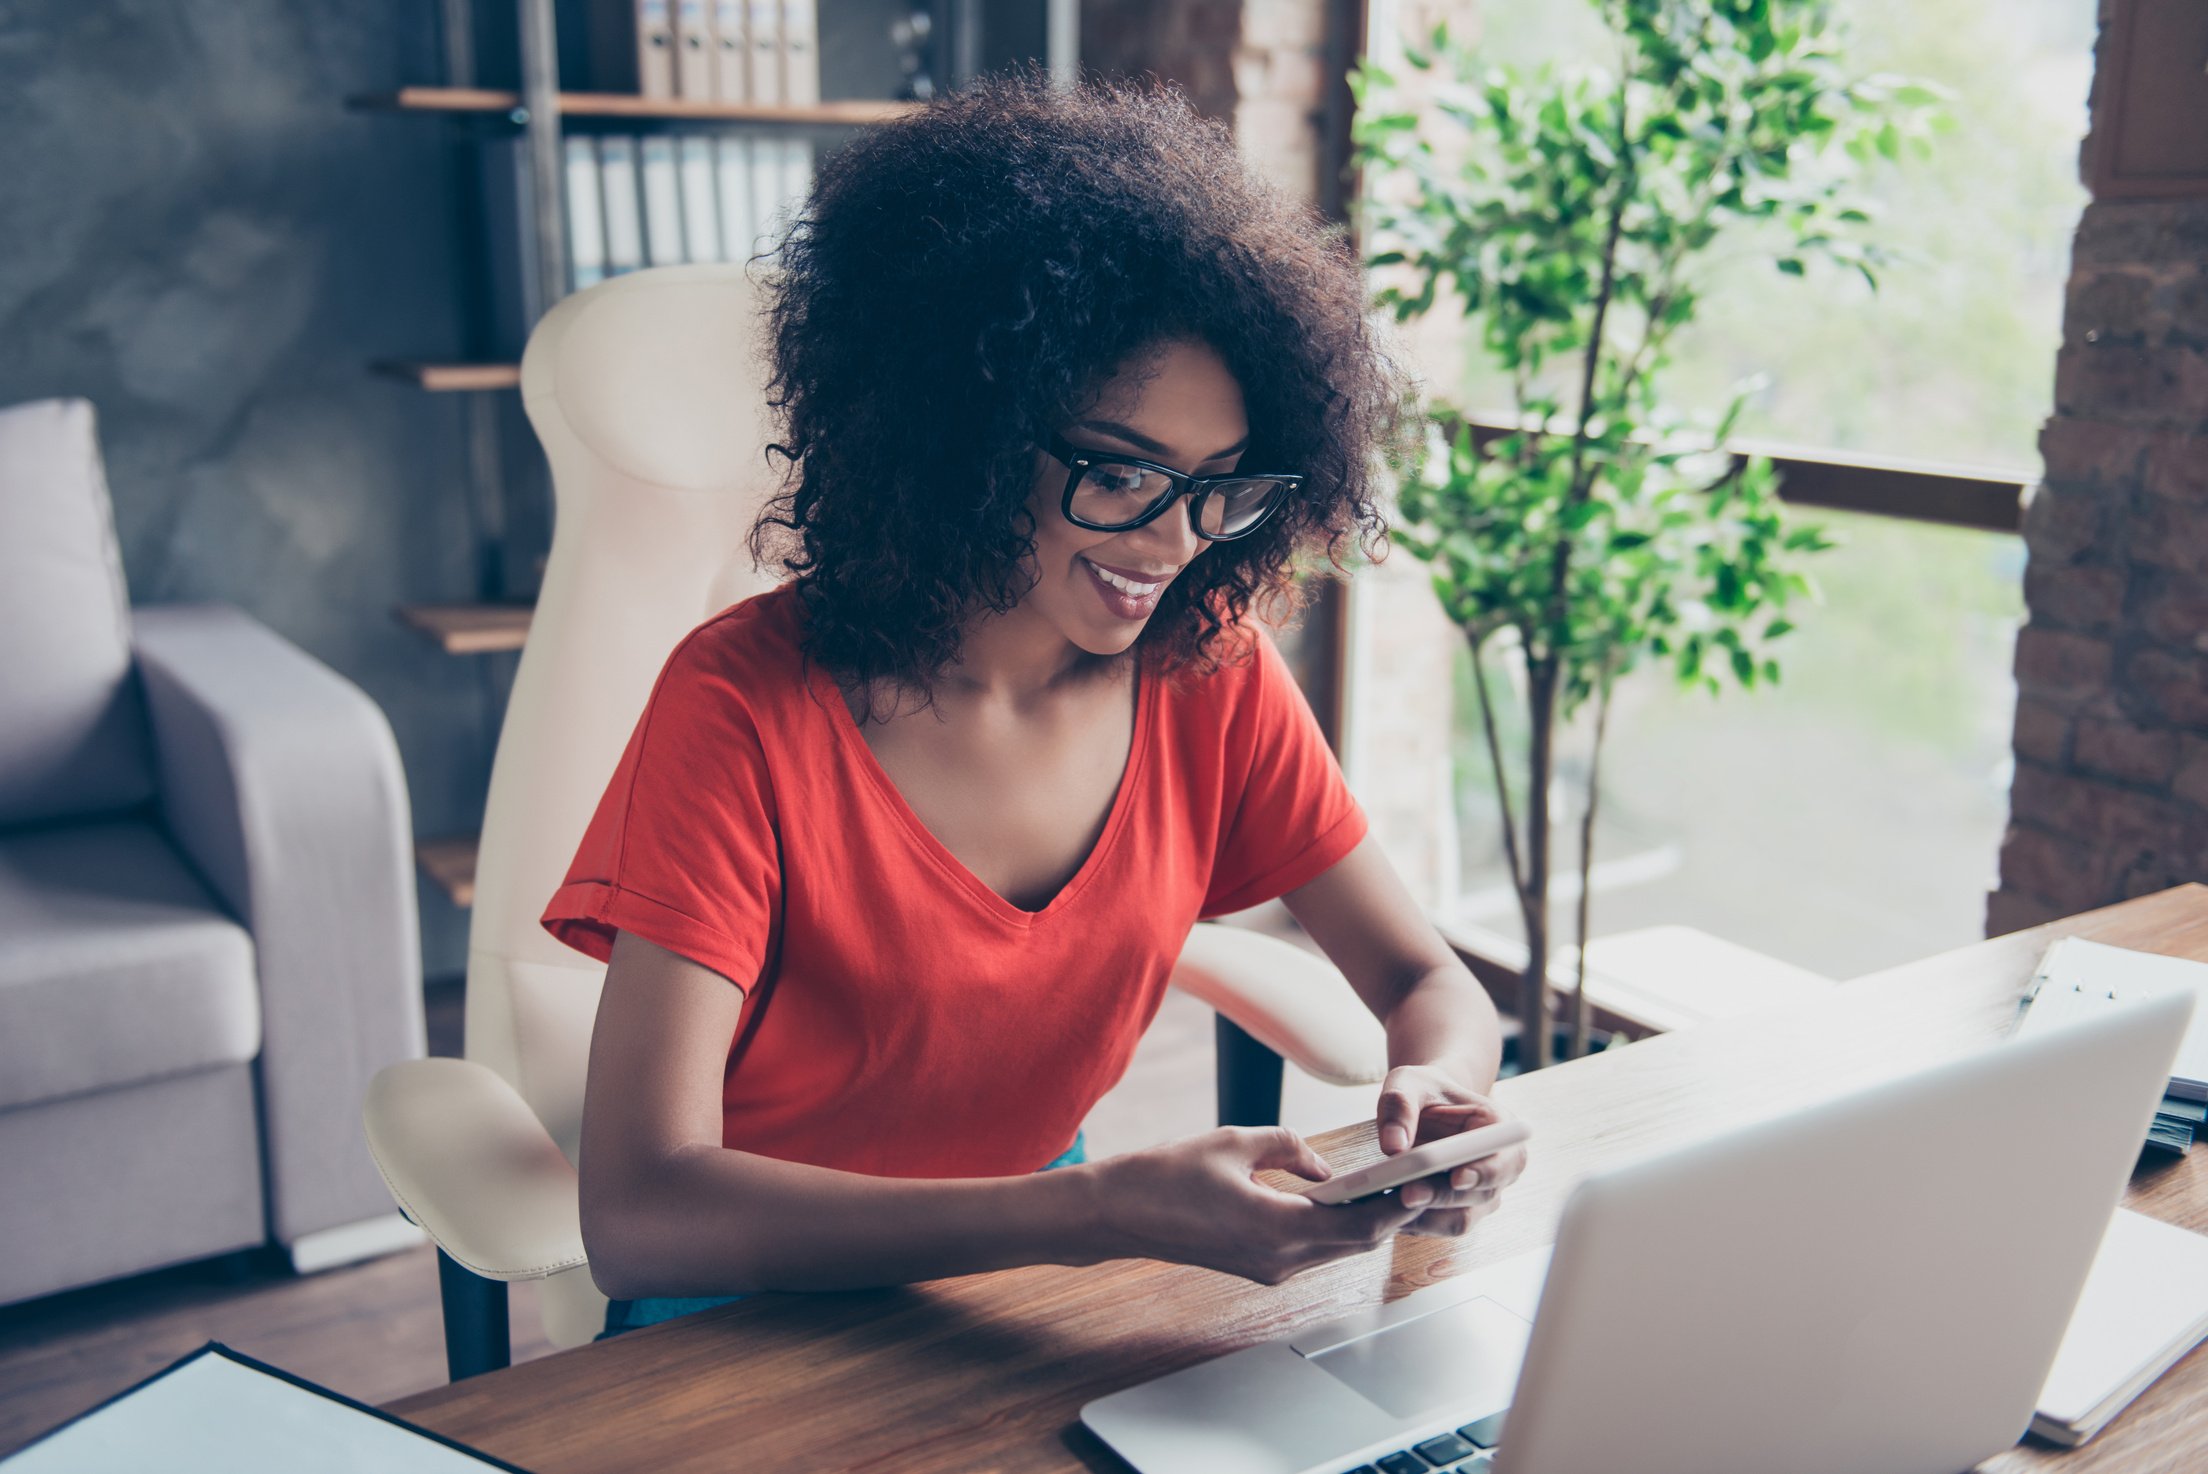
[899,857]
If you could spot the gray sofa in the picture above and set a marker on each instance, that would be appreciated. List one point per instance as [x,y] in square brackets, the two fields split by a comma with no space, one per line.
[207,930]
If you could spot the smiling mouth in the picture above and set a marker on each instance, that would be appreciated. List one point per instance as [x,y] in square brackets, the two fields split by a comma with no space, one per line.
[1133,588]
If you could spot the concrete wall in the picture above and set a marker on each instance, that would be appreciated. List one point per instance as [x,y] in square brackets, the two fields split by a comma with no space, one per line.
[197,236]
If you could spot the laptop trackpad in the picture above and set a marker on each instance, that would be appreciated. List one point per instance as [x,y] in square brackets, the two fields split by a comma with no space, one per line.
[1466,1356]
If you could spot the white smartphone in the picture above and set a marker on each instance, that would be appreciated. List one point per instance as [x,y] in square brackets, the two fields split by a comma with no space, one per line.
[1445,1155]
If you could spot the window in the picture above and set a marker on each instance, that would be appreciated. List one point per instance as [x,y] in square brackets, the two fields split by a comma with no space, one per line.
[1850,818]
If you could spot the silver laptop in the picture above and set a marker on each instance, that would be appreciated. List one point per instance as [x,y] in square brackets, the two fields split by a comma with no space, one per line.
[1877,1283]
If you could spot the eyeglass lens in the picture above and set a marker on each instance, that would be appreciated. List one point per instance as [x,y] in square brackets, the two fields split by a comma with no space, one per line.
[1110,495]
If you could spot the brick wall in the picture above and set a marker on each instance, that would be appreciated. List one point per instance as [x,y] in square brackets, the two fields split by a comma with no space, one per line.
[2111,792]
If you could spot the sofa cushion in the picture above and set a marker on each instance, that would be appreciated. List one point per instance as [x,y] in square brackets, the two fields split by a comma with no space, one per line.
[73,736]
[116,966]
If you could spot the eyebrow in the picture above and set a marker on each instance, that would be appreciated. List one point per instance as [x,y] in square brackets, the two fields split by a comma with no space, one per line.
[1143,442]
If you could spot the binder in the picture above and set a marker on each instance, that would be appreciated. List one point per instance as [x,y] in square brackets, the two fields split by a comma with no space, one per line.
[701,216]
[732,158]
[2078,977]
[766,191]
[694,51]
[617,195]
[800,52]
[765,28]
[797,172]
[655,49]
[731,51]
[586,224]
[656,171]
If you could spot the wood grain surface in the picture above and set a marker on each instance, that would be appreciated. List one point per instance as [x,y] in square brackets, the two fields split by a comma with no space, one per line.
[990,1372]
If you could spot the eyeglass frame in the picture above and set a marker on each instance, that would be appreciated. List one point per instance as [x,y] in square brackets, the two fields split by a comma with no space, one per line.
[1077,462]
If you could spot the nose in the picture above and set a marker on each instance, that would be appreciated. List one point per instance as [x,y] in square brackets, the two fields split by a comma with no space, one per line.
[1171,536]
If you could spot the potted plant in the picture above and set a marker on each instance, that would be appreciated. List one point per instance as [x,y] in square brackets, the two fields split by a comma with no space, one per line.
[1573,215]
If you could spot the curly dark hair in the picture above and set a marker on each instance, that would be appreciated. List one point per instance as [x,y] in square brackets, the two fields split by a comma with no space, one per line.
[961,282]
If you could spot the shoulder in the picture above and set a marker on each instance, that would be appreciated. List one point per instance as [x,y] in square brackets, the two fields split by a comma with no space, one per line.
[1244,674]
[745,663]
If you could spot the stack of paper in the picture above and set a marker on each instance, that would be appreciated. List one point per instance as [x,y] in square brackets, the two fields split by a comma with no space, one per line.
[2145,1305]
[2176,1122]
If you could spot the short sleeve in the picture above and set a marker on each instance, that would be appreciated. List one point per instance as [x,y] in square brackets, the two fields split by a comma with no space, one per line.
[1291,817]
[684,848]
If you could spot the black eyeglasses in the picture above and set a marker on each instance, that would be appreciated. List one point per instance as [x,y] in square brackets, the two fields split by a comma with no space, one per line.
[1116,493]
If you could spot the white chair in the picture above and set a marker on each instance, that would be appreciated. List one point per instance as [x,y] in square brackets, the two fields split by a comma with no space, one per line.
[648,393]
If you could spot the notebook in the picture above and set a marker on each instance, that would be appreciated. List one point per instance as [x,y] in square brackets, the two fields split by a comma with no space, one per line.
[2144,1305]
[217,1412]
[2077,976]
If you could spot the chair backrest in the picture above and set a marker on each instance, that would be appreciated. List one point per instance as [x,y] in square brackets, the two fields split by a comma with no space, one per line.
[73,736]
[648,392]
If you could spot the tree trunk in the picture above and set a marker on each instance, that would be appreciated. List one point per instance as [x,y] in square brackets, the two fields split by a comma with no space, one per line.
[1533,899]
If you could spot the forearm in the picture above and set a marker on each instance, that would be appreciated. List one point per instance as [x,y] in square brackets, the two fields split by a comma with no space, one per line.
[710,1221]
[1446,1017]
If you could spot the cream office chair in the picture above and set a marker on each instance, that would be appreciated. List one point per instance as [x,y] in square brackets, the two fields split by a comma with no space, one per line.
[648,393]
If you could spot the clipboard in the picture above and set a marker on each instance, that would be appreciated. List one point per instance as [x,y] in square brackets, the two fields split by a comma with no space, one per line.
[218,1411]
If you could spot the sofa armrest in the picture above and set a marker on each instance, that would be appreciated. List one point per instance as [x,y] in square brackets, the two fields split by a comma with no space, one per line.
[1293,1003]
[469,1162]
[280,782]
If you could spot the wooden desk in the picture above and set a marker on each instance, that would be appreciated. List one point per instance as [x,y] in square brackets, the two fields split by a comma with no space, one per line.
[991,1372]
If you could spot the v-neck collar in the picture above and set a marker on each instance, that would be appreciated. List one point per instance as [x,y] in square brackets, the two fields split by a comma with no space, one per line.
[838,715]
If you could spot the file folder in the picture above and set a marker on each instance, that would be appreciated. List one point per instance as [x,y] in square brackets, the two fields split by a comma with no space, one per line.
[694,51]
[800,52]
[765,27]
[731,51]
[663,245]
[655,49]
[586,223]
[732,156]
[618,198]
[701,215]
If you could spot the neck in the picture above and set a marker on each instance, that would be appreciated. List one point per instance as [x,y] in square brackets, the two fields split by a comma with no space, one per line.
[1017,658]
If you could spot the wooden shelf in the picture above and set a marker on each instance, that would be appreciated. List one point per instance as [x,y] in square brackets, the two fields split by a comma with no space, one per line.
[446,378]
[622,105]
[469,629]
[450,864]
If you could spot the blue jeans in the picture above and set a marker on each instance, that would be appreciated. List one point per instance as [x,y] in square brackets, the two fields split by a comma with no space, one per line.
[627,1315]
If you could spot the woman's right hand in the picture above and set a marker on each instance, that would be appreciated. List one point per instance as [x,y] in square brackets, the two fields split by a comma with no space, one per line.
[1195,1202]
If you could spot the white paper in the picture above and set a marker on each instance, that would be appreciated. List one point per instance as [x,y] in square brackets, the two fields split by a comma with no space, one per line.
[213,1415]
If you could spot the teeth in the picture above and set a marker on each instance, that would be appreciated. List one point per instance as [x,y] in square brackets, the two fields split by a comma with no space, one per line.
[1126,585]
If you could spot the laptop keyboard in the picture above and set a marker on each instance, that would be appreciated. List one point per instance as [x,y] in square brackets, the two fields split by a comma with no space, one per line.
[1469,1450]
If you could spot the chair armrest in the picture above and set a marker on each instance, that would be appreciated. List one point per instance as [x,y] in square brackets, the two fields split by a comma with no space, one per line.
[1293,1003]
[468,1161]
[280,782]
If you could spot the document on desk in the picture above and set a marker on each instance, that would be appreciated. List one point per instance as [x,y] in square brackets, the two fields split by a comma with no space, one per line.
[2078,977]
[216,1412]
[2145,1305]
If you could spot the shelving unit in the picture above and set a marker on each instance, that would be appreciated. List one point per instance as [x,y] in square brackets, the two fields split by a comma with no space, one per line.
[469,629]
[621,105]
[448,378]
[519,215]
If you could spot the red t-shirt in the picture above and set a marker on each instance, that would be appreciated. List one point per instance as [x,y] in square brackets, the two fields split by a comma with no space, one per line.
[900,1018]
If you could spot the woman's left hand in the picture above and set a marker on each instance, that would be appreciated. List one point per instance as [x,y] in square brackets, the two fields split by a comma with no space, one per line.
[1422,1103]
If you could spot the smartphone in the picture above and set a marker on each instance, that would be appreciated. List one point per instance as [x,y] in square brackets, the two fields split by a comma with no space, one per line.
[1445,1155]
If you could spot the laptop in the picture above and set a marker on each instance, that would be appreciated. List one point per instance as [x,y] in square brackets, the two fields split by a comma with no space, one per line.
[1876,1283]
